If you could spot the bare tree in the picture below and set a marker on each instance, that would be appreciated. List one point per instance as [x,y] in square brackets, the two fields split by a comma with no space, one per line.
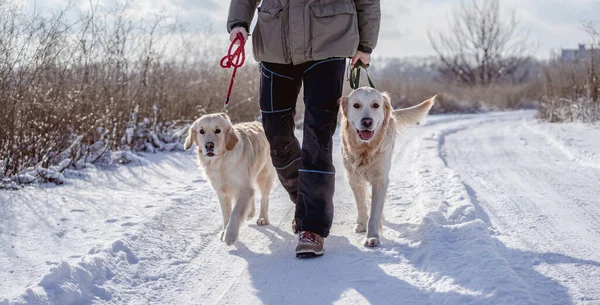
[592,28]
[480,45]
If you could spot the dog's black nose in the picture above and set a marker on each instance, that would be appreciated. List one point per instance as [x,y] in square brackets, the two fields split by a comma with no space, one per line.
[367,123]
[209,146]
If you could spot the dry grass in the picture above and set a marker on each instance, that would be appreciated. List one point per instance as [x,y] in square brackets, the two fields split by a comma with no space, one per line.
[572,88]
[570,92]
[412,81]
[456,98]
[71,87]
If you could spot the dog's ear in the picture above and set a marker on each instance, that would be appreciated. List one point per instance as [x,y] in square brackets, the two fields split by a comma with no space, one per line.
[344,104]
[231,139]
[191,138]
[387,104]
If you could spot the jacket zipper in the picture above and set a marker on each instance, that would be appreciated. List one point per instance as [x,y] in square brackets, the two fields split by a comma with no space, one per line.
[284,38]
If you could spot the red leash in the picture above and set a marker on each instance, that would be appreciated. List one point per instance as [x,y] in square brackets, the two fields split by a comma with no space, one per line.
[233,59]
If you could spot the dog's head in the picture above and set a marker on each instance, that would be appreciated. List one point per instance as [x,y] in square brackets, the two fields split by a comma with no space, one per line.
[213,134]
[366,110]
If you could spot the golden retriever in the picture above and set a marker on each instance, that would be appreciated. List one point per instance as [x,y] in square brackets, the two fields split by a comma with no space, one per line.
[368,129]
[235,158]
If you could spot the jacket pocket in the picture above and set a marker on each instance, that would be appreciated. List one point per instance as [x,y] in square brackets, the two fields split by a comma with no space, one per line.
[267,38]
[334,30]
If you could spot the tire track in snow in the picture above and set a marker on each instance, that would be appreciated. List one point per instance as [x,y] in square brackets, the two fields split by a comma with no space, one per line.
[451,230]
[582,157]
[534,197]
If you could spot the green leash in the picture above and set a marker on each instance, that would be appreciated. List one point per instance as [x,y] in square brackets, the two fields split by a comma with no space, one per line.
[355,75]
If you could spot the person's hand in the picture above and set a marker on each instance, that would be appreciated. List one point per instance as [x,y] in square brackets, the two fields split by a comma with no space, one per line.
[236,31]
[364,57]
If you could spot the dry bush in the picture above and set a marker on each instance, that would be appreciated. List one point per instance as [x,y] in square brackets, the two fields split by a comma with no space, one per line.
[74,85]
[572,88]
[570,91]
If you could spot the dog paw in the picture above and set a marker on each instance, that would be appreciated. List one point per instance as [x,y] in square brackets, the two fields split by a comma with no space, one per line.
[230,237]
[262,221]
[372,242]
[360,228]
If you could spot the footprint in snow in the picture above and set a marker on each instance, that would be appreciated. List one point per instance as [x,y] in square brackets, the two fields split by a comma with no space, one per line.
[61,233]
[111,220]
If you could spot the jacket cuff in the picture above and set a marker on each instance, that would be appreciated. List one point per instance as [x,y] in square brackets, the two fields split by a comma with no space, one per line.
[365,49]
[238,24]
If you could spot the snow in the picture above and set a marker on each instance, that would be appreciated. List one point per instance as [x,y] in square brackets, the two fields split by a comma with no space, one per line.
[482,209]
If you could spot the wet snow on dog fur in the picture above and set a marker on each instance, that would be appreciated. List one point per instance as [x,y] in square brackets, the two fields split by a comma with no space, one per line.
[484,209]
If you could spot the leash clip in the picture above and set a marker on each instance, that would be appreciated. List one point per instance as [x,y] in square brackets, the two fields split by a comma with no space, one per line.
[224,110]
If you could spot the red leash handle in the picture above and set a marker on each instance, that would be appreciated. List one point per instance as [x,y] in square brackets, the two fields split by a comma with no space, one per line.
[234,58]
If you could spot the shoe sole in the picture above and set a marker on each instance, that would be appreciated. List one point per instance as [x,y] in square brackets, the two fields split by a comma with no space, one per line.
[308,254]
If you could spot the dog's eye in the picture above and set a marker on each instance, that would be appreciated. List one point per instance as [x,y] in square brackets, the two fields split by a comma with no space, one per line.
[201,131]
[217,131]
[356,105]
[375,105]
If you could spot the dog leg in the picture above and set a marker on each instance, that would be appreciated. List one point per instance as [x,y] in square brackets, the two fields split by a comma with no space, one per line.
[237,215]
[225,211]
[265,183]
[375,220]
[360,195]
[252,207]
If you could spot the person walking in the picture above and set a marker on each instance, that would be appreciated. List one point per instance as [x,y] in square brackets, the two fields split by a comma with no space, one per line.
[305,42]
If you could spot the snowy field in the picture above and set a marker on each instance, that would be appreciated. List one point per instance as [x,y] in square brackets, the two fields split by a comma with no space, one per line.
[482,209]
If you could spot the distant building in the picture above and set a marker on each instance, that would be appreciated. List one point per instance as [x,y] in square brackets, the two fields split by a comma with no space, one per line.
[581,53]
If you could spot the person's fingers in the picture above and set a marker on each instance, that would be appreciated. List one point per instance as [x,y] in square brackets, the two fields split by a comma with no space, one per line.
[236,31]
[365,58]
[354,60]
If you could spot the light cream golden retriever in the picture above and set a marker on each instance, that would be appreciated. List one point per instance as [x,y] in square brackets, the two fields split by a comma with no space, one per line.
[368,129]
[235,158]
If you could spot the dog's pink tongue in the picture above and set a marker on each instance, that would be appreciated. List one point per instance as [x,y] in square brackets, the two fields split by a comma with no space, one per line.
[365,134]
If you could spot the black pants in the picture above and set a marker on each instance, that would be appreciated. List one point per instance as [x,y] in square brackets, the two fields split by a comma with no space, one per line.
[307,172]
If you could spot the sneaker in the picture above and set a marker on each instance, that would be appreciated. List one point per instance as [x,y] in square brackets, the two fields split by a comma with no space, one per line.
[309,245]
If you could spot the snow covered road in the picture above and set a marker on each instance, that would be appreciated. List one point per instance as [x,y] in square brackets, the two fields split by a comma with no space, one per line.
[482,209]
[543,205]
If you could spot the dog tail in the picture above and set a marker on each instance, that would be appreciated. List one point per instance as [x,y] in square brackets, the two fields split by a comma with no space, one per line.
[412,115]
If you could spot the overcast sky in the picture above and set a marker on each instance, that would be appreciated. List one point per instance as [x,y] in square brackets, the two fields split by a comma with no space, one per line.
[552,24]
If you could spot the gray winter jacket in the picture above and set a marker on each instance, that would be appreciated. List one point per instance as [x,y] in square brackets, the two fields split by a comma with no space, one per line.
[297,31]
